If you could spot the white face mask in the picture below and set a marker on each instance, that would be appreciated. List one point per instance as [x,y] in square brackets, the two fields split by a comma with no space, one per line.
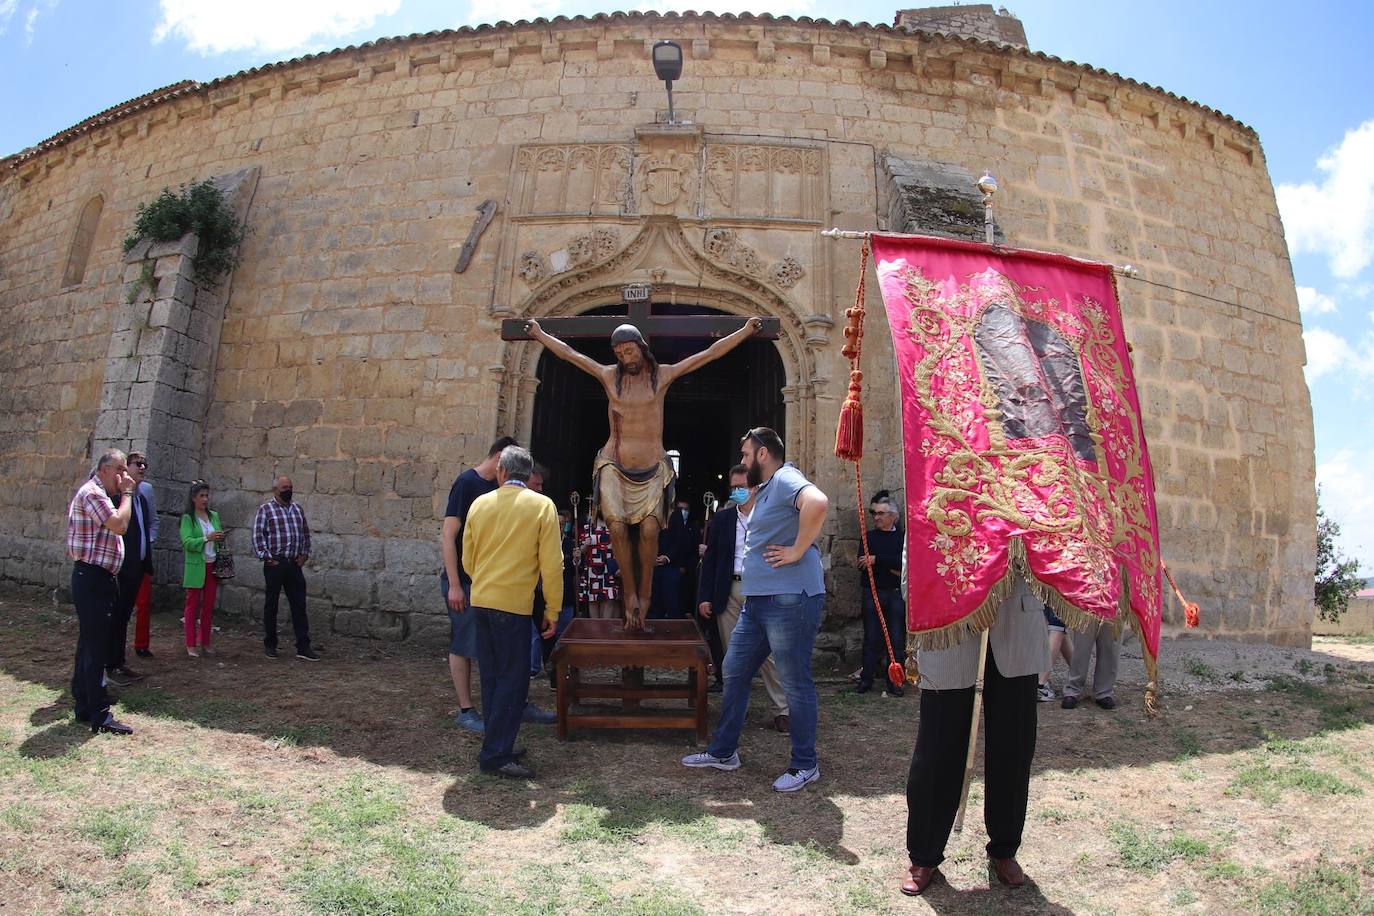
[684,514]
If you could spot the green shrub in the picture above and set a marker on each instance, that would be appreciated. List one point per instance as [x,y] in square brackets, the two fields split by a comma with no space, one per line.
[197,207]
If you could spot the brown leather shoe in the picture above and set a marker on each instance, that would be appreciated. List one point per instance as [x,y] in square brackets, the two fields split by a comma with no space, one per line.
[782,724]
[1007,872]
[919,879]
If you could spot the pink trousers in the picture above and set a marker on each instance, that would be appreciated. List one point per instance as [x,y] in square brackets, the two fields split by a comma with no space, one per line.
[200,607]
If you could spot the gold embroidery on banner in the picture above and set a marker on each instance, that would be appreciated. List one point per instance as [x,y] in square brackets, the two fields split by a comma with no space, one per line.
[975,485]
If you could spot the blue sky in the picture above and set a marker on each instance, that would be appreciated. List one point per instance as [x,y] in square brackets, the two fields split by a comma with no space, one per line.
[1291,71]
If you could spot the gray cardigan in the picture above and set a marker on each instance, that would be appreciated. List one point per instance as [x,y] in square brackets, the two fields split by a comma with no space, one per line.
[1020,645]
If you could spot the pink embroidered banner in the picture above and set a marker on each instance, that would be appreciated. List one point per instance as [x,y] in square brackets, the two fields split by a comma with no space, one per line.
[1023,439]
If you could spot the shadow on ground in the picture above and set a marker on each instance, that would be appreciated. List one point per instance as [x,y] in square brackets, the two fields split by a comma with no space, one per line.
[391,705]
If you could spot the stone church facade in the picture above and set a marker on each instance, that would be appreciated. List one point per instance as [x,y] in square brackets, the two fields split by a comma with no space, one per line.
[405,196]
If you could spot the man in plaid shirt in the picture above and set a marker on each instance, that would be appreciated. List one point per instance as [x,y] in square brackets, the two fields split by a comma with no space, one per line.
[281,539]
[95,543]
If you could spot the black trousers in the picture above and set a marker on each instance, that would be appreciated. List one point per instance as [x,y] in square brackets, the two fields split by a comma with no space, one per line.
[285,576]
[937,765]
[94,592]
[503,659]
[117,645]
[875,648]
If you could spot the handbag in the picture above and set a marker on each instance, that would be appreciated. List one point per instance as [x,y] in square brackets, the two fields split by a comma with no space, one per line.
[224,561]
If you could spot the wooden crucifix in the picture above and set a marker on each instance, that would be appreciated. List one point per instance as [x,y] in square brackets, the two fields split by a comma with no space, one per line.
[637,298]
[632,478]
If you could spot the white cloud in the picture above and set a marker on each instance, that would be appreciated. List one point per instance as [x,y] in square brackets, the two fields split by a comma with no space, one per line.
[1312,302]
[1329,354]
[1326,353]
[265,25]
[7,8]
[1335,218]
[488,12]
[772,7]
[1347,485]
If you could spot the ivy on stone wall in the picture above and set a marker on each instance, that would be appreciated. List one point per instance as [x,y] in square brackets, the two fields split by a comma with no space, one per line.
[197,207]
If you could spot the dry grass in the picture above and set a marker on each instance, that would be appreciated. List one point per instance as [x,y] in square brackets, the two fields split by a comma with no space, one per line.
[275,786]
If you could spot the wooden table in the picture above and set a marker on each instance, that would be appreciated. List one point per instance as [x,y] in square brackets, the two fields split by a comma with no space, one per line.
[675,644]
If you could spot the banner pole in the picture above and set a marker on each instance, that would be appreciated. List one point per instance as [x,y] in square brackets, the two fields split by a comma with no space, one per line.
[973,730]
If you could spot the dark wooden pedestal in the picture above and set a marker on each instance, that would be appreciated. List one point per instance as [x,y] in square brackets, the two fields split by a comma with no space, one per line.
[675,644]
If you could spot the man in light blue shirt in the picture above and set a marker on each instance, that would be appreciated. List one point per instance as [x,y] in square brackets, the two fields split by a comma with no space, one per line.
[784,599]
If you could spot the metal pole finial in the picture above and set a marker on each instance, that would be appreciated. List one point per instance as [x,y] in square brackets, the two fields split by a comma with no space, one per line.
[988,186]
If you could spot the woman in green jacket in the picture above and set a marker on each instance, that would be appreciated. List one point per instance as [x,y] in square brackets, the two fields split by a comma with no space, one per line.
[201,533]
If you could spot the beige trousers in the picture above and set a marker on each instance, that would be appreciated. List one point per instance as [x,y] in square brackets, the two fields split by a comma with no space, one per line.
[771,682]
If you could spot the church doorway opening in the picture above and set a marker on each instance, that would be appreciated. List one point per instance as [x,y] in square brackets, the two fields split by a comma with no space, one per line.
[705,415]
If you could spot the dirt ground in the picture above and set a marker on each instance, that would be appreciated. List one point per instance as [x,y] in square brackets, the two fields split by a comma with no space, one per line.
[262,786]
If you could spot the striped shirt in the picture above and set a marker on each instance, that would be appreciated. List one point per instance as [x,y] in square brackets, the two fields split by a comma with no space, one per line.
[280,531]
[88,540]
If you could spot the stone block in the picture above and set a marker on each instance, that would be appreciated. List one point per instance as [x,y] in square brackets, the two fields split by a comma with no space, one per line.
[186,247]
[349,588]
[268,414]
[411,556]
[416,479]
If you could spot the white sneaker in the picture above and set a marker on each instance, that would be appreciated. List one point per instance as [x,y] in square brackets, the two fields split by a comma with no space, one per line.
[795,780]
[703,761]
[1044,693]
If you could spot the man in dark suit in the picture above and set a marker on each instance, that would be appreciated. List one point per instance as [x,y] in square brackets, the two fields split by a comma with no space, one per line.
[676,564]
[721,596]
[138,563]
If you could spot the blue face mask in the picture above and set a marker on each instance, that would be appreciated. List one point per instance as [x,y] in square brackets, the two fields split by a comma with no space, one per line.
[740,495]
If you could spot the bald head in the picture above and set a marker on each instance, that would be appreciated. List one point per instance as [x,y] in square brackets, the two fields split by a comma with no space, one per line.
[282,490]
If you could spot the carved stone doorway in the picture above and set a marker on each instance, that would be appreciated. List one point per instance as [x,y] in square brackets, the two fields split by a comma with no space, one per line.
[706,412]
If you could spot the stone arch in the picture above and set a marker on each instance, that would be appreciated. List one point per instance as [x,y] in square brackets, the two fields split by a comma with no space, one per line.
[83,239]
[681,273]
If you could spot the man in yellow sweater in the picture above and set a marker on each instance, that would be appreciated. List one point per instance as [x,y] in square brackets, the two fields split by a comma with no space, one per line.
[510,539]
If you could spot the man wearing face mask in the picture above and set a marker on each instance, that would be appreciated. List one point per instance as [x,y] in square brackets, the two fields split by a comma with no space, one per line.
[722,568]
[677,556]
[281,539]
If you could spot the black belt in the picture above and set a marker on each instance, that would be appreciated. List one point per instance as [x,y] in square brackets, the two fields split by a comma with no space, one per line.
[82,564]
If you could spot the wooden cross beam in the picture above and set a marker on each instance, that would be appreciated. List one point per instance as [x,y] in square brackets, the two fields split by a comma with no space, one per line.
[639,314]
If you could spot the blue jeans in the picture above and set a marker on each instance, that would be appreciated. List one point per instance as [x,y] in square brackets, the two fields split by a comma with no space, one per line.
[503,642]
[875,647]
[786,627]
[565,617]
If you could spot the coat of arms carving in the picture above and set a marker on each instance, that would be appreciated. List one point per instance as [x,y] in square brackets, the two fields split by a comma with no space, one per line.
[665,177]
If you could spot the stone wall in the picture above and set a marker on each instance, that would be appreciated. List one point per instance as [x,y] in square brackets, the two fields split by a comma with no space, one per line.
[353,357]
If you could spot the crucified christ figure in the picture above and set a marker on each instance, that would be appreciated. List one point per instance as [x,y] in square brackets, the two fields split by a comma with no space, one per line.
[632,478]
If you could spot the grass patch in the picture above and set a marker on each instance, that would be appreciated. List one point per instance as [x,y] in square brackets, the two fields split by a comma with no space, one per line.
[115,830]
[1326,888]
[1286,683]
[1269,783]
[599,817]
[1189,745]
[361,803]
[21,816]
[209,712]
[1337,715]
[1149,852]
[1200,669]
[312,734]
[1225,870]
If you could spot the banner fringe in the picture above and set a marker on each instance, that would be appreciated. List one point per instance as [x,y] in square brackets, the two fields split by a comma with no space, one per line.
[983,617]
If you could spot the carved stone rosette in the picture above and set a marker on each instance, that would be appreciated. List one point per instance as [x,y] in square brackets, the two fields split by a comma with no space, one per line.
[787,273]
[723,245]
[533,269]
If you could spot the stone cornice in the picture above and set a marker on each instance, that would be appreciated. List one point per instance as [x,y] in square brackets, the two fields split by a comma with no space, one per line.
[948,64]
